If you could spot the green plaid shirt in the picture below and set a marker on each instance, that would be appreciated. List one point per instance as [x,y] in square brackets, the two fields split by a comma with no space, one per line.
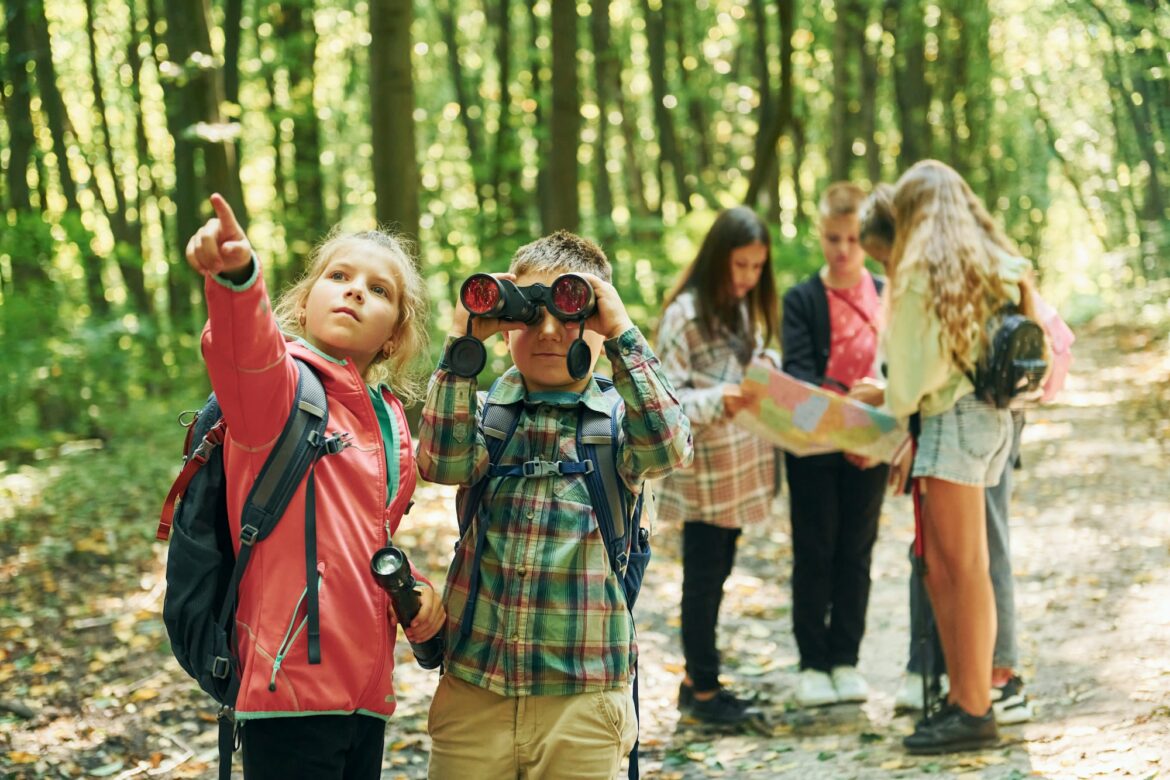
[550,616]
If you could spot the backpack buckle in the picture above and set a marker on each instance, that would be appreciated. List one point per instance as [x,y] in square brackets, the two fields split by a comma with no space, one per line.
[248,534]
[540,468]
[220,668]
[335,444]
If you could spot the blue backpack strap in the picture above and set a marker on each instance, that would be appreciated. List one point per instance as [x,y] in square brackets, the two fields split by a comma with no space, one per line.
[620,523]
[497,422]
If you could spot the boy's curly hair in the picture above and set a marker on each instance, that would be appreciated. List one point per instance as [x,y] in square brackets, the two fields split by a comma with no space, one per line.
[400,369]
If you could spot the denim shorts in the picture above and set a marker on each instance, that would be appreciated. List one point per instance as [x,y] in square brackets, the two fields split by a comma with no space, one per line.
[968,444]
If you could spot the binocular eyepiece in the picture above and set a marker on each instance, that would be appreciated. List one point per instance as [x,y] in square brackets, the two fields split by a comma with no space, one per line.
[391,571]
[569,298]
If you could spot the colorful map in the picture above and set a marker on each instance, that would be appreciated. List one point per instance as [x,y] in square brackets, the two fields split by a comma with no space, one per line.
[807,420]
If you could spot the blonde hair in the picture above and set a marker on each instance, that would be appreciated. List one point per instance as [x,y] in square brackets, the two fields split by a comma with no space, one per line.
[945,232]
[839,199]
[399,369]
[561,251]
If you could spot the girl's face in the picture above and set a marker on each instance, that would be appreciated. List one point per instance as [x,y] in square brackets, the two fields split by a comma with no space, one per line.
[843,253]
[351,311]
[746,264]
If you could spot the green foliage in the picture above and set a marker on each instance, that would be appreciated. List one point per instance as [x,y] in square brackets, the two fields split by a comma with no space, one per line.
[99,502]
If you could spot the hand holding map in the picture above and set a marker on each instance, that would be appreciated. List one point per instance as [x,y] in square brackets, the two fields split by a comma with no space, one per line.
[808,420]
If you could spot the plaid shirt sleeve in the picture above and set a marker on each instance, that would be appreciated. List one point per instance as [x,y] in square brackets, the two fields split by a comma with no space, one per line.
[451,450]
[657,434]
[678,339]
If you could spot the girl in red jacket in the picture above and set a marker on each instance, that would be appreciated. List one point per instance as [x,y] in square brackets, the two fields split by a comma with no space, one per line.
[311,705]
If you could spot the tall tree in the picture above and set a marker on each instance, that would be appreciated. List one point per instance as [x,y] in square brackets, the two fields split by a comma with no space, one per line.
[664,103]
[18,112]
[63,136]
[566,119]
[396,174]
[535,63]
[781,115]
[294,28]
[911,90]
[847,43]
[128,247]
[604,62]
[199,133]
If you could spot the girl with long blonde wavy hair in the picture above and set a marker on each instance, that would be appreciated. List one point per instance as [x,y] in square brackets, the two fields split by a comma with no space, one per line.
[951,268]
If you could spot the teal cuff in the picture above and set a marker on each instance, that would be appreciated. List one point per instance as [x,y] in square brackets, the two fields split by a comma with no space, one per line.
[252,277]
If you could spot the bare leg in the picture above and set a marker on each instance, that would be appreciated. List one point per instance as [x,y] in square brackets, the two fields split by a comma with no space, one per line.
[960,589]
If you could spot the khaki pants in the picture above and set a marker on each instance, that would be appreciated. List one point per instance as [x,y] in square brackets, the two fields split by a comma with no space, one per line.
[479,734]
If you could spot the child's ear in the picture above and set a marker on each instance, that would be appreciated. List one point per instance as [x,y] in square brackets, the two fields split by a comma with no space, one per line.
[507,334]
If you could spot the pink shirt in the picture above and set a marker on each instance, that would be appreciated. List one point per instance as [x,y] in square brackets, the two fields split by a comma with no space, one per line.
[854,322]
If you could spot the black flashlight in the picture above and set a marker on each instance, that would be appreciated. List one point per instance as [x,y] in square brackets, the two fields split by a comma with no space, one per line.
[391,571]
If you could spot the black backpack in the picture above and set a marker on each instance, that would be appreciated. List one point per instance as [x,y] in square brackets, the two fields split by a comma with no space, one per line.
[1013,364]
[203,572]
[618,511]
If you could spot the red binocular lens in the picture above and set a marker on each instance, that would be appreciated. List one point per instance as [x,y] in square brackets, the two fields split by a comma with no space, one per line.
[572,296]
[480,294]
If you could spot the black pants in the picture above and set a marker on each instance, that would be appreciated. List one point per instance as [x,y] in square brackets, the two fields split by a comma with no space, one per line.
[708,554]
[314,747]
[834,508]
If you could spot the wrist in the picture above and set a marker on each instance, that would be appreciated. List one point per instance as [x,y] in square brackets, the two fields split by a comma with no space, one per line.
[620,328]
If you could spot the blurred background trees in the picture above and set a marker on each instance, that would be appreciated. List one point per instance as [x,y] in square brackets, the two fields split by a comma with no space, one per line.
[476,125]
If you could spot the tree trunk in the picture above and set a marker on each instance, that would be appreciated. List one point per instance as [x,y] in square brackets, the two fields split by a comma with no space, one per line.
[782,116]
[911,91]
[61,130]
[194,99]
[505,172]
[604,61]
[1154,203]
[566,119]
[18,110]
[27,273]
[233,14]
[128,246]
[543,176]
[396,175]
[146,187]
[664,104]
[470,109]
[293,23]
[846,42]
[870,53]
[767,112]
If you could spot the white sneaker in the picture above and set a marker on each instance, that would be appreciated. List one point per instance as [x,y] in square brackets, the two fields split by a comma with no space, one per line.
[909,695]
[849,684]
[815,688]
[1011,702]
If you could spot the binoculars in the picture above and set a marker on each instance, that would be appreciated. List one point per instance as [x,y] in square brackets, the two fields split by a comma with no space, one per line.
[569,298]
[391,571]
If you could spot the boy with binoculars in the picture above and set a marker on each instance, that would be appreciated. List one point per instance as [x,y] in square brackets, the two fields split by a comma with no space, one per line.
[540,645]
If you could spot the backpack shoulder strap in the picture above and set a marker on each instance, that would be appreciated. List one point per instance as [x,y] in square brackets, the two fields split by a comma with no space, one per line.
[497,422]
[300,443]
[618,512]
